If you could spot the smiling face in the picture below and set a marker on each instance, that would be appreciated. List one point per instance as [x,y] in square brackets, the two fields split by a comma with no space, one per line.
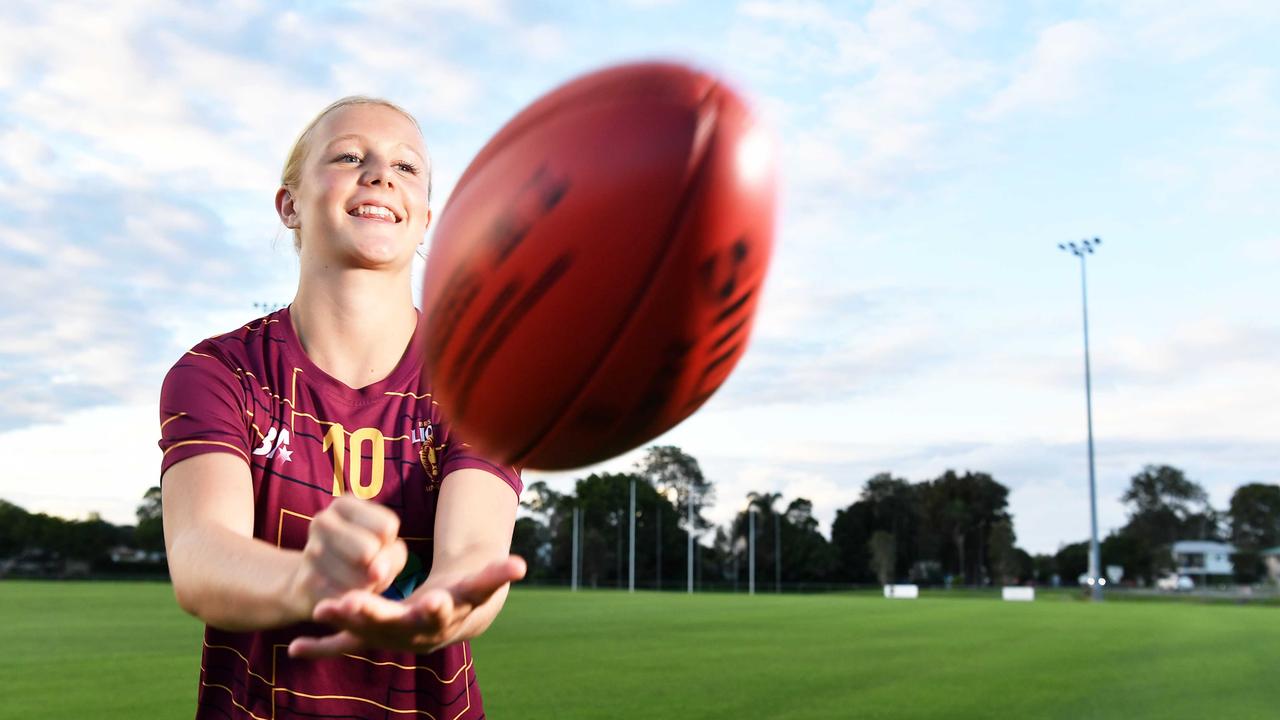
[360,198]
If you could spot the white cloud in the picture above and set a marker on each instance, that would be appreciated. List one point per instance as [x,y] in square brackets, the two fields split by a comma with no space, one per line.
[1183,32]
[100,459]
[1057,72]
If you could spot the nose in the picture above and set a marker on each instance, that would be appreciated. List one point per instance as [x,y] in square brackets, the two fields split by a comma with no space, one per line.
[377,173]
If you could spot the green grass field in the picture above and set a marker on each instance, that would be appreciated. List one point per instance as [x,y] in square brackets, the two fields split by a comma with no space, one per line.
[124,650]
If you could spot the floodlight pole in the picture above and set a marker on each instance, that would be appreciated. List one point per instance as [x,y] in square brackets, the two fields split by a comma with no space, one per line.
[777,553]
[751,549]
[1086,247]
[660,501]
[631,575]
[573,571]
[689,501]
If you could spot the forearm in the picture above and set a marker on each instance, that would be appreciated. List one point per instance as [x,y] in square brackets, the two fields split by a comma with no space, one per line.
[445,575]
[474,521]
[483,616]
[234,582]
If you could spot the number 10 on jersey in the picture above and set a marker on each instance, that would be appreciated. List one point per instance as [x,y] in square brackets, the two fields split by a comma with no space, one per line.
[337,440]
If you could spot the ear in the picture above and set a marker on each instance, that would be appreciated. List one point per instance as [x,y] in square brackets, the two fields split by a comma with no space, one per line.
[429,217]
[287,208]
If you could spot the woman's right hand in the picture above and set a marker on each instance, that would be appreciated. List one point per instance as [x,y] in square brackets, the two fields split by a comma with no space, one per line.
[351,545]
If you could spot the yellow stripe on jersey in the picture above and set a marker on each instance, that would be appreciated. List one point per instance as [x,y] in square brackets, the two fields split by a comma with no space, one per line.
[207,442]
[415,396]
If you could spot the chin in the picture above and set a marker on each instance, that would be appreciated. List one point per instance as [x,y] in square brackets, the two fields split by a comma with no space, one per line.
[380,253]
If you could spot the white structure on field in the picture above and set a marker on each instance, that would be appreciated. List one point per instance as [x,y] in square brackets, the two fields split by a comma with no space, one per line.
[1201,559]
[1018,593]
[902,592]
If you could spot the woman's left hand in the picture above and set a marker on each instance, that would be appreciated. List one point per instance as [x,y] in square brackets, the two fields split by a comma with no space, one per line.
[432,617]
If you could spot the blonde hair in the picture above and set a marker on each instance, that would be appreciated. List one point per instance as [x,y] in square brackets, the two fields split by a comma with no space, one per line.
[291,175]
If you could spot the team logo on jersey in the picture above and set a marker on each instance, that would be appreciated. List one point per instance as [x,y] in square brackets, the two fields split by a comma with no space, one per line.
[424,438]
[275,443]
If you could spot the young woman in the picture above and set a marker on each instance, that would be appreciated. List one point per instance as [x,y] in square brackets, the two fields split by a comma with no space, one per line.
[339,541]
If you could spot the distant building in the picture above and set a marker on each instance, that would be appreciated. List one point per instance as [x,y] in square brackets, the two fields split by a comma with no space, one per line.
[1271,556]
[1203,559]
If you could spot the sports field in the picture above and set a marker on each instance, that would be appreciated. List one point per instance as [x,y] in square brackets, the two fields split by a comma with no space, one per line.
[124,650]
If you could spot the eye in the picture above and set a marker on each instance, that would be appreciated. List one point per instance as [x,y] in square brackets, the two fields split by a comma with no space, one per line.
[345,157]
[407,167]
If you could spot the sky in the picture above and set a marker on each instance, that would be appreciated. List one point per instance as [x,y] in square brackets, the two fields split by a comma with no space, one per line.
[918,315]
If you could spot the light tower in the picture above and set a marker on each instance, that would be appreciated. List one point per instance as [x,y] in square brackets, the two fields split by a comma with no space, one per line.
[1096,581]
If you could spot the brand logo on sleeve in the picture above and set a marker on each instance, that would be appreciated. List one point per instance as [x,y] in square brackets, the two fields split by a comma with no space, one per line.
[275,443]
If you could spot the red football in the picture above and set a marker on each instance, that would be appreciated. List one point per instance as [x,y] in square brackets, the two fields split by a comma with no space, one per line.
[595,274]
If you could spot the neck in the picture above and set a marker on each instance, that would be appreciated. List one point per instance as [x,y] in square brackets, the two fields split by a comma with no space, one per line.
[354,324]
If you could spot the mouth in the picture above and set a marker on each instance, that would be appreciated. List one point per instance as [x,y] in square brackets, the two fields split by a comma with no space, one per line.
[374,213]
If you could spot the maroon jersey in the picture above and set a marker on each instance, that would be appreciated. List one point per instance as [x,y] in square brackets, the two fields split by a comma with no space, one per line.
[308,438]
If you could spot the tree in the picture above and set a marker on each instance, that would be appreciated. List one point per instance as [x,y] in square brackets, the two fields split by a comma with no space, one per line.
[530,540]
[1255,526]
[1005,558]
[149,535]
[883,547]
[1165,507]
[1164,489]
[806,555]
[667,466]
[886,503]
[1128,551]
[1255,516]
[850,532]
[1043,568]
[603,500]
[963,508]
[540,499]
[13,529]
[1072,561]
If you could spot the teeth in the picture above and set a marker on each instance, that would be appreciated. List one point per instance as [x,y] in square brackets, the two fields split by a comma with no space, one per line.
[374,210]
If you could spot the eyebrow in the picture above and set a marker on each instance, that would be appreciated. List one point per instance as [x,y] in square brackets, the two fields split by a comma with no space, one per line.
[358,136]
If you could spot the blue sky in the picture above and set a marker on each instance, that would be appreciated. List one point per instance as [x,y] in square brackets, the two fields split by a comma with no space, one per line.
[918,316]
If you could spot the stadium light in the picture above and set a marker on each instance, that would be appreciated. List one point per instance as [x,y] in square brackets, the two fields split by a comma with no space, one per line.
[1086,247]
[266,308]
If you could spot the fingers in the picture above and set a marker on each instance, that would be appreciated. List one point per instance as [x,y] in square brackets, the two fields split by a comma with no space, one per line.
[336,644]
[358,611]
[378,622]
[430,618]
[379,521]
[478,588]
[354,545]
[388,564]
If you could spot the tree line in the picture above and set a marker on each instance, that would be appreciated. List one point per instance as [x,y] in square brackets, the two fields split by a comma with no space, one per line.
[952,529]
[42,544]
[955,528]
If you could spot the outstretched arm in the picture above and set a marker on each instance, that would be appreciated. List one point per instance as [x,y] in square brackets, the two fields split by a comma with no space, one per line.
[471,572]
[231,580]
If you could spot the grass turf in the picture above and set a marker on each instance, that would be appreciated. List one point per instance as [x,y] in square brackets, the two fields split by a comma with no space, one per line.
[116,650]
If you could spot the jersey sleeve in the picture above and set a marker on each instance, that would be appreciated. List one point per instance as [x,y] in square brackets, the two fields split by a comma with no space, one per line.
[459,455]
[202,410]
